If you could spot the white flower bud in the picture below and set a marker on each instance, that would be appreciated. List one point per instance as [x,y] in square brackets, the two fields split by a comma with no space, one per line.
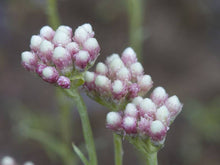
[35,42]
[82,59]
[61,38]
[130,124]
[162,114]
[147,107]
[29,60]
[103,83]
[145,83]
[101,68]
[159,96]
[113,120]
[47,32]
[123,74]
[157,130]
[129,56]
[131,110]
[92,46]
[7,160]
[65,29]
[46,51]
[136,70]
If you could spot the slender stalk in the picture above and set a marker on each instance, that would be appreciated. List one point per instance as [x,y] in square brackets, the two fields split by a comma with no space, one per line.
[118,149]
[52,11]
[151,158]
[135,18]
[87,131]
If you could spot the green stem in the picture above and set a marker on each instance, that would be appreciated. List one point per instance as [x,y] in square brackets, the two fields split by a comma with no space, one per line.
[151,158]
[118,149]
[87,131]
[52,11]
[135,18]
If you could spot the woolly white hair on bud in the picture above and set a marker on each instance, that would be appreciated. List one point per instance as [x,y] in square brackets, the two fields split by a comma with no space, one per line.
[136,69]
[81,35]
[113,119]
[159,95]
[35,42]
[47,32]
[47,72]
[65,29]
[7,160]
[73,48]
[124,74]
[145,82]
[28,163]
[111,57]
[61,38]
[46,46]
[115,65]
[27,57]
[129,124]
[89,76]
[131,110]
[88,28]
[162,114]
[137,100]
[102,81]
[101,68]
[92,46]
[129,56]
[117,86]
[147,107]
[83,56]
[157,127]
[173,105]
[59,52]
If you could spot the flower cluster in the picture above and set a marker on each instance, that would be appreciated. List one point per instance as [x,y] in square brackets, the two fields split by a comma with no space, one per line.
[118,79]
[56,55]
[7,160]
[146,117]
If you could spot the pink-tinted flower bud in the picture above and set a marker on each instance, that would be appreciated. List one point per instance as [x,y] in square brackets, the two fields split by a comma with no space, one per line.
[62,59]
[46,51]
[110,58]
[101,68]
[88,28]
[29,60]
[89,80]
[73,48]
[40,68]
[50,74]
[92,46]
[174,106]
[157,130]
[130,124]
[35,42]
[119,89]
[82,59]
[133,90]
[114,66]
[66,29]
[145,83]
[159,96]
[113,120]
[64,82]
[147,107]
[47,32]
[129,56]
[144,126]
[7,160]
[163,114]
[137,101]
[136,70]
[81,34]
[123,74]
[61,38]
[103,84]
[131,110]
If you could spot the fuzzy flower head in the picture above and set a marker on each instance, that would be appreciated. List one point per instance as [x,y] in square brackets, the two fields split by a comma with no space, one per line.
[58,55]
[147,117]
[117,80]
[8,160]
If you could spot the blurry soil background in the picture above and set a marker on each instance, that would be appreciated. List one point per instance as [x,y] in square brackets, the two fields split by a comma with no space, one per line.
[181,51]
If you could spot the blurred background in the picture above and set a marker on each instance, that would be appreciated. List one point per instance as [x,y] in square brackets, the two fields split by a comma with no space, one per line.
[179,41]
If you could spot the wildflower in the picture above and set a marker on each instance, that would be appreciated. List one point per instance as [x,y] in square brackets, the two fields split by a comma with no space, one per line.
[118,80]
[58,55]
[146,118]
